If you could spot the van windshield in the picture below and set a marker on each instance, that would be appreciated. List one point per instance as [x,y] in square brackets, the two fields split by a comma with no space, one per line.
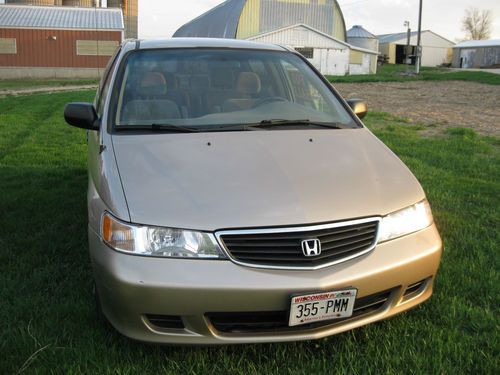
[205,89]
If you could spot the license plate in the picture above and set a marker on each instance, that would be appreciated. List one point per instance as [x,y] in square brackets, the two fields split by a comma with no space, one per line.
[310,308]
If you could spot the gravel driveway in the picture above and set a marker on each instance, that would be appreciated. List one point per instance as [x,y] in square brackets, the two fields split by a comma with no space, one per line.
[443,103]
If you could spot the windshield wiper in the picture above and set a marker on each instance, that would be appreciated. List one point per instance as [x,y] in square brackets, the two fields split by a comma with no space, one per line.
[265,124]
[159,127]
[282,122]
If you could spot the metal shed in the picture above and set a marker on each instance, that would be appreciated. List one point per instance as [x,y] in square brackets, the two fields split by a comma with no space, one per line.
[328,54]
[436,50]
[43,42]
[477,54]
[242,19]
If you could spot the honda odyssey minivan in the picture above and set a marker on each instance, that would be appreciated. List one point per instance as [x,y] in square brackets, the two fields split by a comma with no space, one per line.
[235,197]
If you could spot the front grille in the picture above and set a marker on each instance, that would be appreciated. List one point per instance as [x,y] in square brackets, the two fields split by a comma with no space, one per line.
[283,247]
[277,321]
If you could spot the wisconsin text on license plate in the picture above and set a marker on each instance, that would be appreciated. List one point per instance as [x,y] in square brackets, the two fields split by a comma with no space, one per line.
[309,308]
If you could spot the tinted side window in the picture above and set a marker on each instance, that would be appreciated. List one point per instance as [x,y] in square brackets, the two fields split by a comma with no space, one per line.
[304,91]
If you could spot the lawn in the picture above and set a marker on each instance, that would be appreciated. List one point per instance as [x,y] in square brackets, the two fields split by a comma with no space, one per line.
[394,73]
[47,313]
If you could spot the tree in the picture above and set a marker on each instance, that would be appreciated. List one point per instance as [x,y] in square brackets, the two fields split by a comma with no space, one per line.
[477,23]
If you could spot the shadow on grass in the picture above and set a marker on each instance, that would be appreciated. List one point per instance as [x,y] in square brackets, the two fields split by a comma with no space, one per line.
[44,267]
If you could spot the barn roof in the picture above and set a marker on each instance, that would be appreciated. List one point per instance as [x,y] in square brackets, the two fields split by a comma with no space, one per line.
[479,43]
[391,38]
[303,25]
[218,22]
[357,31]
[319,32]
[225,20]
[50,17]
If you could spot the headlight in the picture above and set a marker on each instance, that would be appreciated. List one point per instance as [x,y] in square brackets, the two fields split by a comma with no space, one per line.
[405,221]
[158,241]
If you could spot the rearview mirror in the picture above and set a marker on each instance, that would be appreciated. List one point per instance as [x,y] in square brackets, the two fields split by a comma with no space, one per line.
[81,115]
[358,106]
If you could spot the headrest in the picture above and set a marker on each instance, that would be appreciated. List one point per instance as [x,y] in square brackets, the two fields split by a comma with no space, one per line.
[199,82]
[171,80]
[222,78]
[152,83]
[248,83]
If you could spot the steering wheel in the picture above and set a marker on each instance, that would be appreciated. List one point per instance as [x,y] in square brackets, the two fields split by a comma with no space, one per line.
[269,100]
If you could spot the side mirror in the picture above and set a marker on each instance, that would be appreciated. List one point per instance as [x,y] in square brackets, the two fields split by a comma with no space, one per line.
[358,106]
[81,115]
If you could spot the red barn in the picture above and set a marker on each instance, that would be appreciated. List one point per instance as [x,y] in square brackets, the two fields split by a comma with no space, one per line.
[57,42]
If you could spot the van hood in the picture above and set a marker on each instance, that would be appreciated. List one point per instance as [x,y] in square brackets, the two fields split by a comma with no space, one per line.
[210,181]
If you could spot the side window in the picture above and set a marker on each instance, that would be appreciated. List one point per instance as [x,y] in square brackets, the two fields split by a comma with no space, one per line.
[268,82]
[102,92]
[302,90]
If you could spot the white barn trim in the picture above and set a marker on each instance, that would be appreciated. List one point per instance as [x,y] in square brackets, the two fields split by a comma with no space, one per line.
[330,56]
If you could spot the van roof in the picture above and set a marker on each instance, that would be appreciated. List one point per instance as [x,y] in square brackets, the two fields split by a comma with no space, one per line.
[202,43]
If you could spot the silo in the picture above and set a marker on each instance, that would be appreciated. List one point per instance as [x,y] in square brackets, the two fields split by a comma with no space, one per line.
[359,37]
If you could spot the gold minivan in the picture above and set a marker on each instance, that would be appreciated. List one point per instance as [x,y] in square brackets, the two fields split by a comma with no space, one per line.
[235,197]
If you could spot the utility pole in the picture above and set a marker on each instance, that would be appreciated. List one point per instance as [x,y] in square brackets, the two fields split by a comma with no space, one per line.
[419,48]
[407,51]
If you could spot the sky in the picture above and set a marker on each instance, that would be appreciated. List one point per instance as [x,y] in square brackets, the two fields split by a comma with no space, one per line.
[160,18]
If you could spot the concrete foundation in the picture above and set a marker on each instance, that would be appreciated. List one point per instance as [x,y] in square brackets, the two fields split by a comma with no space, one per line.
[50,73]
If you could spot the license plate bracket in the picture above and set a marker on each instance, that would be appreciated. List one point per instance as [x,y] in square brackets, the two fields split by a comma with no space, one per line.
[317,307]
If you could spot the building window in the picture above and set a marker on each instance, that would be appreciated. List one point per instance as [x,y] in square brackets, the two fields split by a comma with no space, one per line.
[8,46]
[94,47]
[308,53]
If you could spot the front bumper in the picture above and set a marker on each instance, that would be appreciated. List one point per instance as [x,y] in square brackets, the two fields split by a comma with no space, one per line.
[131,287]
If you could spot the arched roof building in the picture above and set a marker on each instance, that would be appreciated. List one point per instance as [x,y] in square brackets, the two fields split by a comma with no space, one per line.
[242,19]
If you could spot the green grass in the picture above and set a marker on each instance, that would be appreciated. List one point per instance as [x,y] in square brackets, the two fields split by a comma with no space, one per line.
[393,73]
[47,321]
[17,84]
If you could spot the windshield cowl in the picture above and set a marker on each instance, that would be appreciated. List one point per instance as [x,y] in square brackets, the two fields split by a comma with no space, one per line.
[263,125]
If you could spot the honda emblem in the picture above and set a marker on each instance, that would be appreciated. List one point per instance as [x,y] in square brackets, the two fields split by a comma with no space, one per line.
[311,247]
